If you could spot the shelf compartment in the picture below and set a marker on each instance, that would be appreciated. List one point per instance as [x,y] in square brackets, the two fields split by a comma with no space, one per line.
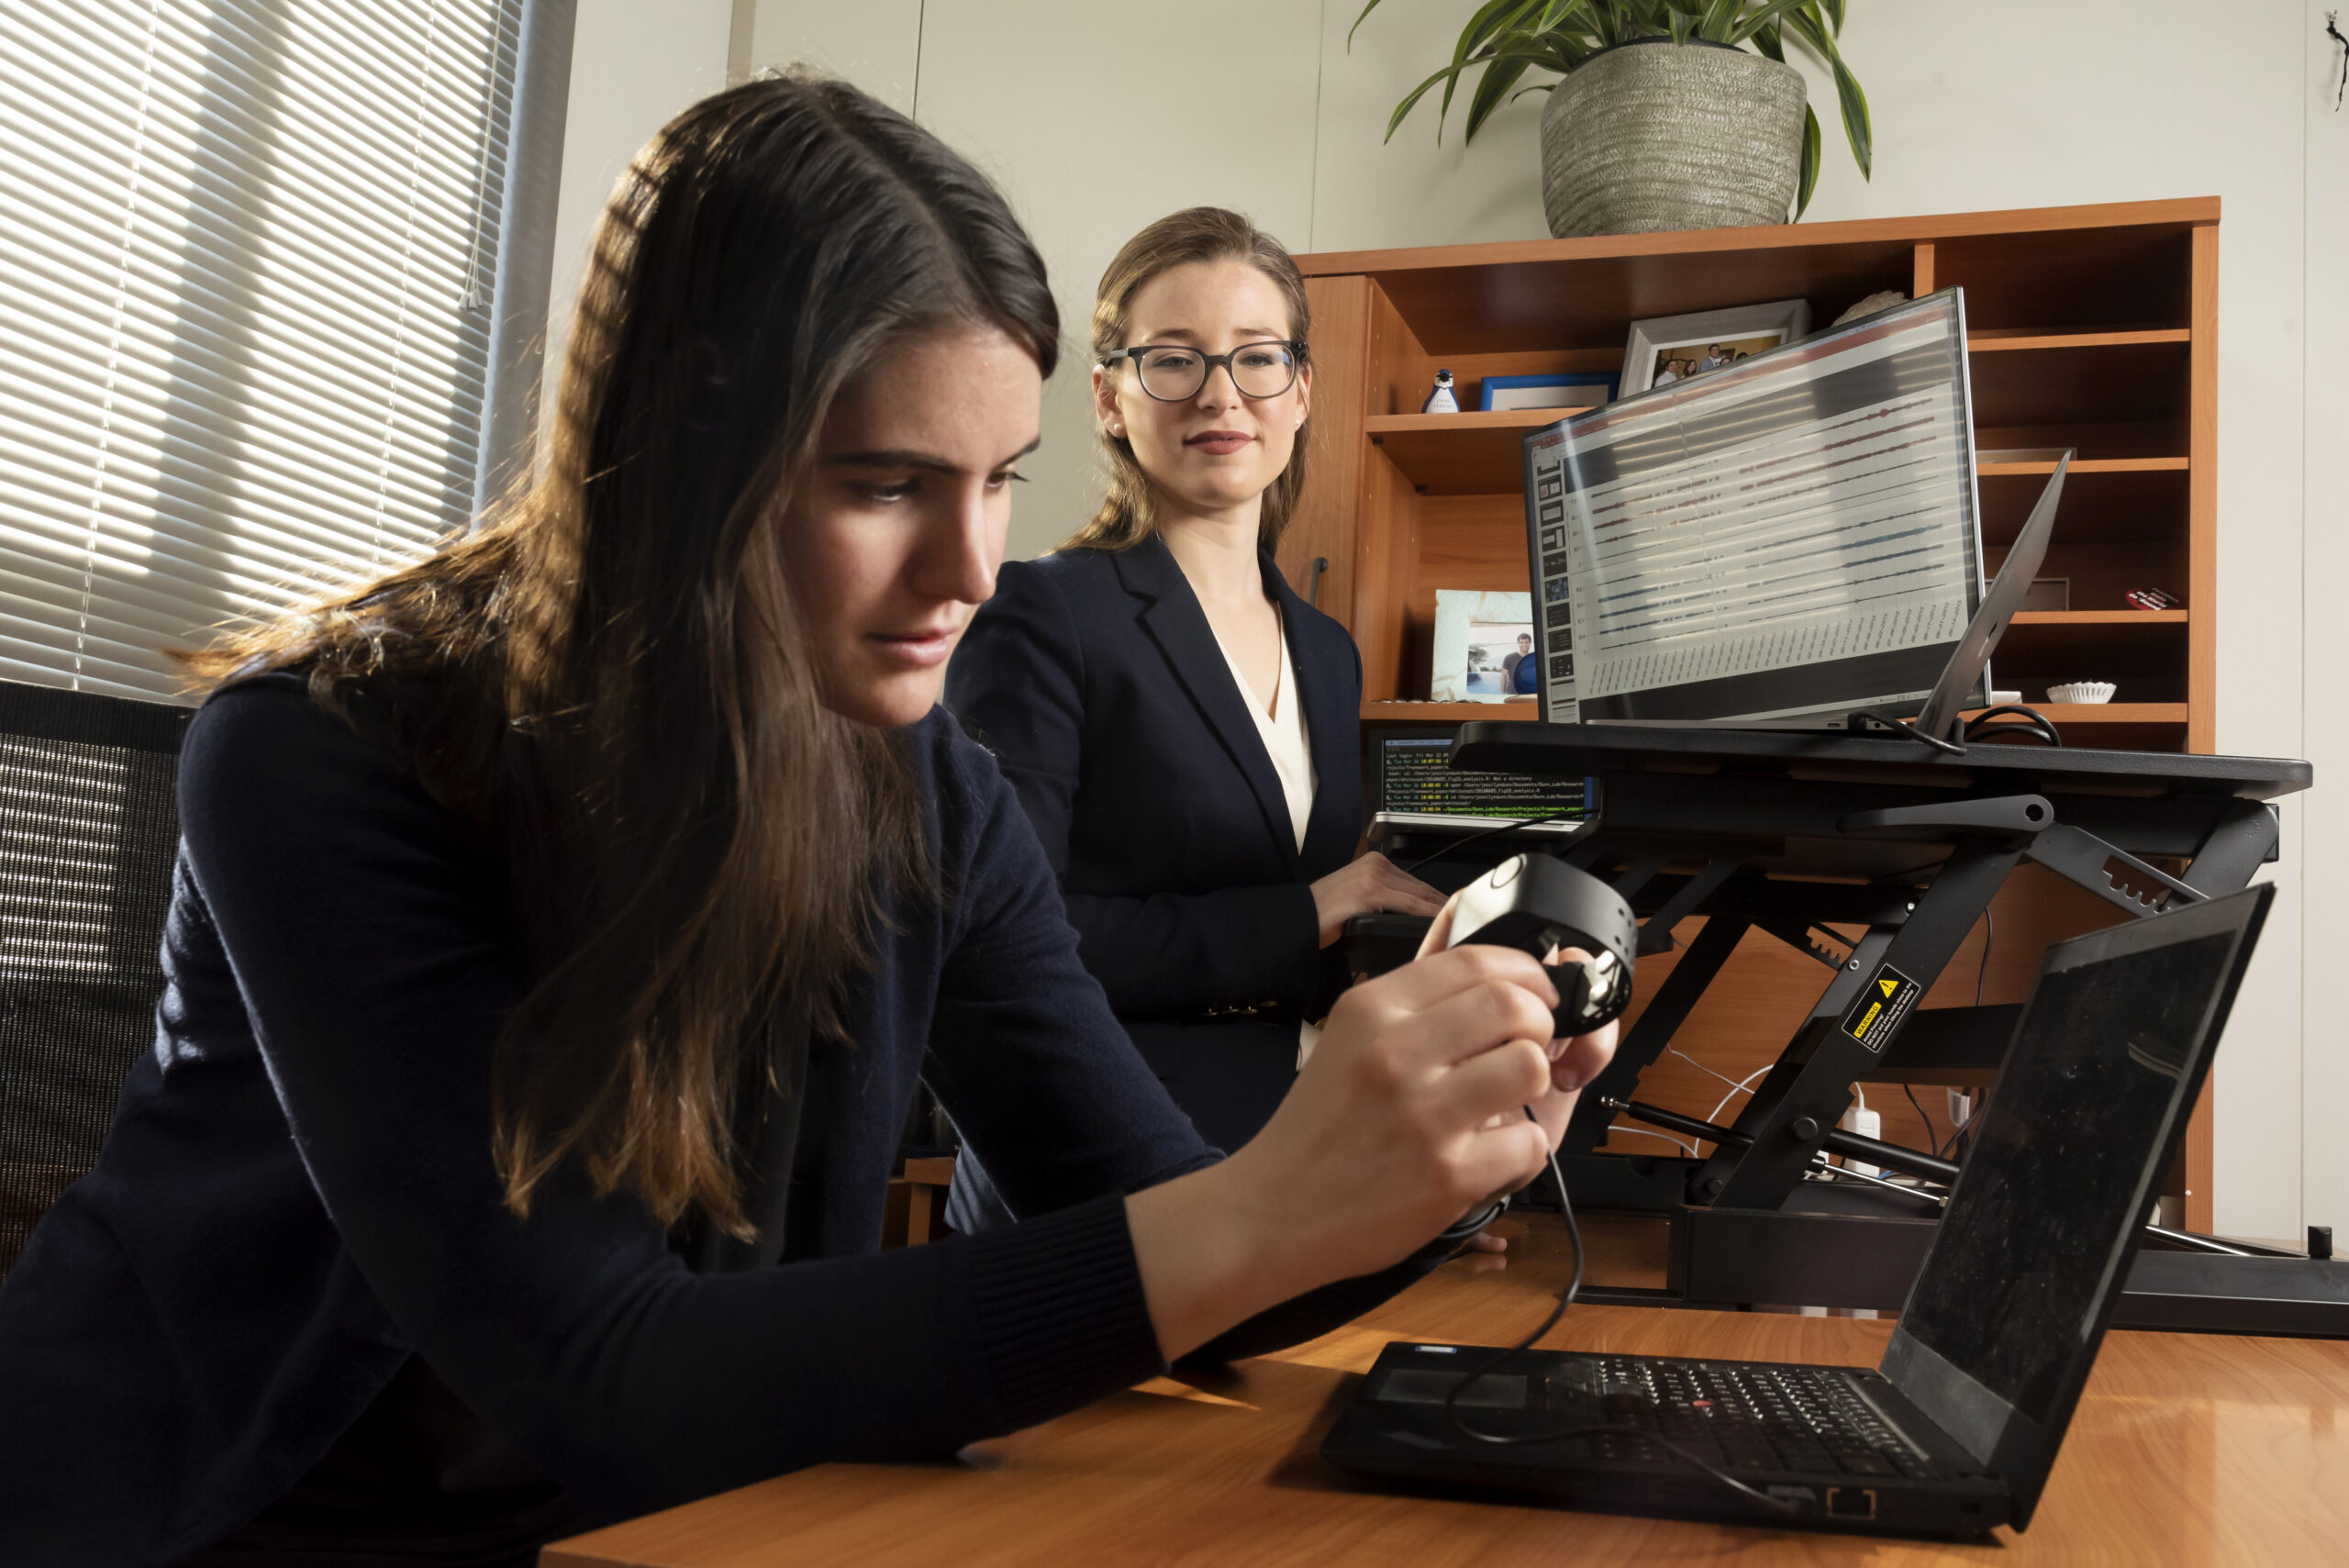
[1461,454]
[2088,379]
[2140,442]
[2145,657]
[2124,276]
[1557,293]
[2057,268]
[2103,503]
[2001,340]
[2085,465]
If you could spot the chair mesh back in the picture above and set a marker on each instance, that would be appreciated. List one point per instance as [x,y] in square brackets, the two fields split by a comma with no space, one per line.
[89,823]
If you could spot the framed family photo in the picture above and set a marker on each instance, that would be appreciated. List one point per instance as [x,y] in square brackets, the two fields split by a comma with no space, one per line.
[1668,349]
[1483,647]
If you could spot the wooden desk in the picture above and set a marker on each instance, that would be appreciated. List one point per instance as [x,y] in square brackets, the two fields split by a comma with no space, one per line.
[2187,1449]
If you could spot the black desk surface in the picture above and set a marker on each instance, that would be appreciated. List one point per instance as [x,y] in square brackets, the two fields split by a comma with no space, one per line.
[1999,767]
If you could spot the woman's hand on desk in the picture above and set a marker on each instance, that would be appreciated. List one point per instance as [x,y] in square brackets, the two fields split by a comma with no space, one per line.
[1407,1116]
[1372,884]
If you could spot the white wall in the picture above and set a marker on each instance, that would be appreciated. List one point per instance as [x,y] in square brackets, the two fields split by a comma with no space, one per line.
[634,63]
[1096,117]
[2309,582]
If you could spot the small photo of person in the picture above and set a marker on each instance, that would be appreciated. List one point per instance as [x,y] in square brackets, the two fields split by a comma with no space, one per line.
[1495,653]
[1684,362]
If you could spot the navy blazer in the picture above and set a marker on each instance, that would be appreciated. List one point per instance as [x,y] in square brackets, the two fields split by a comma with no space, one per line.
[1094,679]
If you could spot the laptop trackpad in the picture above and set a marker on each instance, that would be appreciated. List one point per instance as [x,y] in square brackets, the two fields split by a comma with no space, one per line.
[1496,1391]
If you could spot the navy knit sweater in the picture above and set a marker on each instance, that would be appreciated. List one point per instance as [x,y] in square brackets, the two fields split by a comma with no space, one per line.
[297,1201]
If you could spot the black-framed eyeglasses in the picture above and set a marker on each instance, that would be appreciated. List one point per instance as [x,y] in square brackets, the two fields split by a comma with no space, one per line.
[1172,374]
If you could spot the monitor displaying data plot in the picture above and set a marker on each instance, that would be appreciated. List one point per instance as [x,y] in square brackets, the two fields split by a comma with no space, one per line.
[1792,538]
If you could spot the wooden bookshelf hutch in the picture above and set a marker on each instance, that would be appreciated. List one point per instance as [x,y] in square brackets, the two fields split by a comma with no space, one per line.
[2088,326]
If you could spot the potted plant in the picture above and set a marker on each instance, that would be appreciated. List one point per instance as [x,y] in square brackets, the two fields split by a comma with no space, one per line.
[1668,114]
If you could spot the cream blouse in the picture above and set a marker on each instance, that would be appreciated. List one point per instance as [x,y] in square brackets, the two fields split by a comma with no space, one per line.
[1283,733]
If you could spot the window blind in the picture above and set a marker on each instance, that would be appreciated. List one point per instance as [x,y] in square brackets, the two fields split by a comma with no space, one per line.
[246,258]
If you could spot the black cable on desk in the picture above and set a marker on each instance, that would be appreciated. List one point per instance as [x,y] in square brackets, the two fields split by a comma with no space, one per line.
[2025,723]
[2030,724]
[1565,1299]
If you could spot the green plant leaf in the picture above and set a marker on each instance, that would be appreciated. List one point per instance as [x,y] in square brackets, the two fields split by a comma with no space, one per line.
[1562,13]
[1492,18]
[1683,24]
[1811,28]
[1519,57]
[1834,9]
[1499,77]
[1719,17]
[1761,21]
[1411,98]
[1366,10]
[1809,180]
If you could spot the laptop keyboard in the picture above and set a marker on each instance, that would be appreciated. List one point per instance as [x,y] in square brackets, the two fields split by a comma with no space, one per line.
[1746,1417]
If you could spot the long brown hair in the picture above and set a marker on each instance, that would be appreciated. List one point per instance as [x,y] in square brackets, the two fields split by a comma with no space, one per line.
[610,682]
[1195,234]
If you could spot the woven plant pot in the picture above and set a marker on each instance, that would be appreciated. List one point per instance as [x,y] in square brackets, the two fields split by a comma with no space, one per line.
[1654,134]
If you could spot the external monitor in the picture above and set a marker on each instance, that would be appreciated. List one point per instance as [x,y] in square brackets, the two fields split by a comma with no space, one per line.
[1791,539]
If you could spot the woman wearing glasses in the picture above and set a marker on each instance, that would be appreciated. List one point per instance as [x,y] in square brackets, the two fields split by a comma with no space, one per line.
[1182,729]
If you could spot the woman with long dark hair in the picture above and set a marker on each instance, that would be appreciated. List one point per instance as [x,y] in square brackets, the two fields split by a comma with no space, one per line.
[1181,726]
[561,925]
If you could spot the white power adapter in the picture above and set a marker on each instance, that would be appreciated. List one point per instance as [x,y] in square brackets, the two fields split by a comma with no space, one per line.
[1867,1124]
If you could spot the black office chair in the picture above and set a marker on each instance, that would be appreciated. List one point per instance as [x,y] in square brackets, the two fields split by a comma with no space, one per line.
[89,823]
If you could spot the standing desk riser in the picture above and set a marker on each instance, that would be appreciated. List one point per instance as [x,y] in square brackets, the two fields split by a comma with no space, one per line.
[1792,833]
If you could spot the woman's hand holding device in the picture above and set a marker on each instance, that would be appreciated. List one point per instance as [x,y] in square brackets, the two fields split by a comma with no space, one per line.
[1371,885]
[1408,1116]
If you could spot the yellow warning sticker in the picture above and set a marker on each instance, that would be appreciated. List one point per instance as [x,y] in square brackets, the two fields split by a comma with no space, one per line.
[1881,1009]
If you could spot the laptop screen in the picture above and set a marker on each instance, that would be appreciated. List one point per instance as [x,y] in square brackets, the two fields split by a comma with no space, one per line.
[1415,774]
[2090,1107]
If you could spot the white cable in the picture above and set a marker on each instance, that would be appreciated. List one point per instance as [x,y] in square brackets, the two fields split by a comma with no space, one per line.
[1735,1090]
[1643,1132]
[1701,1067]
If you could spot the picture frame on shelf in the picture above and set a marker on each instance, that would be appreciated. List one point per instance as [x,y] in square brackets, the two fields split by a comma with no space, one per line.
[1480,639]
[1666,348]
[1563,389]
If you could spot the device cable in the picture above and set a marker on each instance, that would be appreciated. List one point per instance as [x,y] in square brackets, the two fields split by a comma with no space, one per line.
[1931,1137]
[2025,722]
[1903,727]
[1565,1299]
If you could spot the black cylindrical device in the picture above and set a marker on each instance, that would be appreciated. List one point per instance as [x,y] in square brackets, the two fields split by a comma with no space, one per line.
[1534,902]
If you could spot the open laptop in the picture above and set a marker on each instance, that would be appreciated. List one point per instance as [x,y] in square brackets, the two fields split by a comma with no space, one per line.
[1956,1429]
[1414,790]
[1968,669]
